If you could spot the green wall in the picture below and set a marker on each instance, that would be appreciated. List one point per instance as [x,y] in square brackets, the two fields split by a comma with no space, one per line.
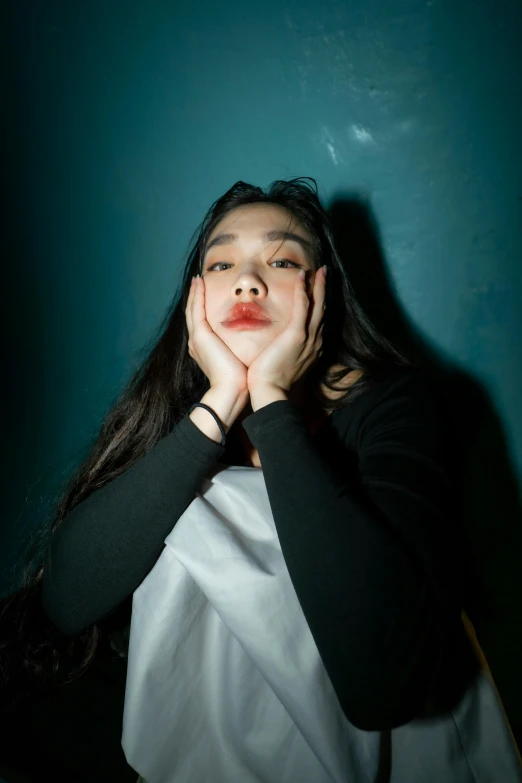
[125,120]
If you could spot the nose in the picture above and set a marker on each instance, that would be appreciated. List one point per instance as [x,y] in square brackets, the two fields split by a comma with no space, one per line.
[249,282]
[238,290]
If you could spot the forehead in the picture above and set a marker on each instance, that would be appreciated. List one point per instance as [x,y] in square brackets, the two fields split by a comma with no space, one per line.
[260,222]
[251,215]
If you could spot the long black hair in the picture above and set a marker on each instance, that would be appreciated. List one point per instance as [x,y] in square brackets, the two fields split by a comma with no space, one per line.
[33,652]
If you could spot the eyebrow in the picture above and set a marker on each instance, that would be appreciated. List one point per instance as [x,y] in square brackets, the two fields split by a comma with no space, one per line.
[287,236]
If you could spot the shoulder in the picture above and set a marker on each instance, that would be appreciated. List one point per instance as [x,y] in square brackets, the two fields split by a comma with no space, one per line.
[402,398]
[414,384]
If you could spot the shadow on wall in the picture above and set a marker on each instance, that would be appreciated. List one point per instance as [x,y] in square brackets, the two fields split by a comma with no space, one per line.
[487,488]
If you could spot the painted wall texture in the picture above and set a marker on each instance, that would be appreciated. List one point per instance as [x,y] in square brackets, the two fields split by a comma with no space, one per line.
[126,120]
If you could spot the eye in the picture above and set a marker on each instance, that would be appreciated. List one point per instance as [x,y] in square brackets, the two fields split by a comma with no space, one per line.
[278,261]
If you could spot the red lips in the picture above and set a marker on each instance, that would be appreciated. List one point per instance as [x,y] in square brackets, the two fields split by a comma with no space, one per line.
[249,310]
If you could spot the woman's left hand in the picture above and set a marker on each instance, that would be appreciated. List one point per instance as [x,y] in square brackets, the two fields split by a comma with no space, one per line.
[290,355]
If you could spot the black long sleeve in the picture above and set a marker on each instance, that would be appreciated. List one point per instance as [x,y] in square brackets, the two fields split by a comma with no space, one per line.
[372,550]
[107,545]
[369,540]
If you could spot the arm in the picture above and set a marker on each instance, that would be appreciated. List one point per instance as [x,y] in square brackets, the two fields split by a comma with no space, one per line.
[106,545]
[370,549]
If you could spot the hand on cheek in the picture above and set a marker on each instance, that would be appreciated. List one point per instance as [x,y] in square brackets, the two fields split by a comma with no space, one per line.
[292,352]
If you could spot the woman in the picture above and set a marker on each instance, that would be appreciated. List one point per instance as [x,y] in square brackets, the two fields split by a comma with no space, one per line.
[328,408]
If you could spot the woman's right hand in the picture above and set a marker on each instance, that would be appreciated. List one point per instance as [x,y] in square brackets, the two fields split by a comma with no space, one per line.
[213,356]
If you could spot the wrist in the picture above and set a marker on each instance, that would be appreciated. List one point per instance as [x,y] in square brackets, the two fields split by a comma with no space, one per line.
[264,393]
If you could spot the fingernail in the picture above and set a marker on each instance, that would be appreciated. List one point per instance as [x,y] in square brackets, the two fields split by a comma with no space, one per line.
[325,270]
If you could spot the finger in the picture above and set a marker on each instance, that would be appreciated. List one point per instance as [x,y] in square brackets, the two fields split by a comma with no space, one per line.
[195,300]
[188,308]
[302,309]
[319,300]
[199,313]
[192,304]
[301,305]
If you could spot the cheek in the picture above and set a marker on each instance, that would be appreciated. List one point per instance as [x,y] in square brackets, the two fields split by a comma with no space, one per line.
[286,306]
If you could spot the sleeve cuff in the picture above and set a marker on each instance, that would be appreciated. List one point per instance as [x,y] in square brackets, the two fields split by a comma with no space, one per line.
[269,417]
[196,442]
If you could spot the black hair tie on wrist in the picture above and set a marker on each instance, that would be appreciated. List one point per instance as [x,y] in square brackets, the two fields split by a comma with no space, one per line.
[221,428]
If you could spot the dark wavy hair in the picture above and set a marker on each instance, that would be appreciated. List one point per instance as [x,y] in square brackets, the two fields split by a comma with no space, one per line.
[34,653]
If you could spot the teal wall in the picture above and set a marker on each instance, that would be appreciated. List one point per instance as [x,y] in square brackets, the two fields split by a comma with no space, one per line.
[125,120]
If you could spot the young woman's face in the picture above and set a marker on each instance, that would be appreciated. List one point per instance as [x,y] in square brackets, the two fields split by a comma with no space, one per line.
[254,269]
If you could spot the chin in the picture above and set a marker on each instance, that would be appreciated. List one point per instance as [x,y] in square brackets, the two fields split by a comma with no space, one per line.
[247,357]
[246,351]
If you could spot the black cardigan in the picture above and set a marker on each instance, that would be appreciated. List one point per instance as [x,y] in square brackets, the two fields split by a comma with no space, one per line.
[365,514]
